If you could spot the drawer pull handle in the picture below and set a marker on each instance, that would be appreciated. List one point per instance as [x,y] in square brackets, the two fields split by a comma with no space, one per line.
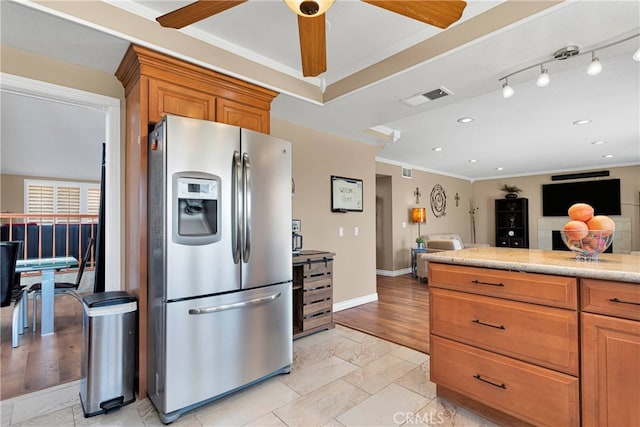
[478,377]
[489,324]
[623,302]
[478,282]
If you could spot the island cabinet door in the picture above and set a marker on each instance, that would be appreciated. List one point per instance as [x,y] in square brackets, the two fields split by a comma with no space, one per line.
[610,371]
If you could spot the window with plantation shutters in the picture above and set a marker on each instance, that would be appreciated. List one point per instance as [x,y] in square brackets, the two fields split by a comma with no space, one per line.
[58,197]
[40,198]
[93,200]
[68,201]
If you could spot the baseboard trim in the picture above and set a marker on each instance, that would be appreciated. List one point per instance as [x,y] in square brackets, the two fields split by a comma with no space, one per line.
[339,306]
[394,273]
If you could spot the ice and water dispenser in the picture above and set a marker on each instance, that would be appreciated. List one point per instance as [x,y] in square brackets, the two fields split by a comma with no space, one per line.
[196,213]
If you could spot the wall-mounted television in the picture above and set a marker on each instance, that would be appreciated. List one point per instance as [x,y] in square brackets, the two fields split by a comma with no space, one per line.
[603,195]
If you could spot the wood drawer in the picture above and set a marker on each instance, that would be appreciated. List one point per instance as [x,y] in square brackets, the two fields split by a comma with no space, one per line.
[542,335]
[317,293]
[316,270]
[536,395]
[323,306]
[316,315]
[317,282]
[611,298]
[554,291]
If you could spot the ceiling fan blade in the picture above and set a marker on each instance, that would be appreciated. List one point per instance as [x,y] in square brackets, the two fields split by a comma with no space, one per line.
[195,12]
[313,45]
[438,13]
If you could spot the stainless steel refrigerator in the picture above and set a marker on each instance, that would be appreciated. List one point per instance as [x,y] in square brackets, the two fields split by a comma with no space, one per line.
[219,261]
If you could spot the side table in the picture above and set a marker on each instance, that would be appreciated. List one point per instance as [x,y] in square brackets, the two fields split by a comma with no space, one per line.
[414,260]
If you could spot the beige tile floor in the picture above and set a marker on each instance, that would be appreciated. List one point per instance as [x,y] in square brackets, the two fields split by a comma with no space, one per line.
[340,377]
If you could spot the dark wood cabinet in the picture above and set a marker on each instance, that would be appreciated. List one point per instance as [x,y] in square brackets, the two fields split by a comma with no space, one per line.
[512,223]
[312,292]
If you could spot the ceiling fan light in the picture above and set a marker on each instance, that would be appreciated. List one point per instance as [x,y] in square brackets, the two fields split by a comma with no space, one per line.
[595,66]
[507,91]
[543,78]
[308,8]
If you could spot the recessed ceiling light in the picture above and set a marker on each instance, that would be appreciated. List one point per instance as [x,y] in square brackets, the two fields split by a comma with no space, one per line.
[608,156]
[599,142]
[582,122]
[499,169]
[465,119]
[473,161]
[437,149]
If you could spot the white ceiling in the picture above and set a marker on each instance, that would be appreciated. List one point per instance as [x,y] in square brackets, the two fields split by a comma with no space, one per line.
[42,137]
[528,134]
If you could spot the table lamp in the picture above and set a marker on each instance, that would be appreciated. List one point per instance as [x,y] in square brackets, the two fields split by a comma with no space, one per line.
[419,216]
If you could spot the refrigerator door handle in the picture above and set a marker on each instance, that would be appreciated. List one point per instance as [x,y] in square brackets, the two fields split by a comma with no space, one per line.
[242,304]
[236,213]
[246,191]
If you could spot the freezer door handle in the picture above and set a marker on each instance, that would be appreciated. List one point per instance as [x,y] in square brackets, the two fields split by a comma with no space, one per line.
[241,304]
[246,191]
[236,216]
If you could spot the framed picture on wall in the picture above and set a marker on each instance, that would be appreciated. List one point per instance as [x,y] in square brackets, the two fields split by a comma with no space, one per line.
[346,194]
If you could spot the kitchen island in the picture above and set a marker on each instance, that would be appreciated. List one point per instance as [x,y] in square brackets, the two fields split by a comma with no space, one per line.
[534,337]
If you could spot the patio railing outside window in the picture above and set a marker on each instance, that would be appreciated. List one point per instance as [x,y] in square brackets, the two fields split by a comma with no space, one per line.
[50,235]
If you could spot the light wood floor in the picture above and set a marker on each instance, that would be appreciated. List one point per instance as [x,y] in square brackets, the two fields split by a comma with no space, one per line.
[400,315]
[41,362]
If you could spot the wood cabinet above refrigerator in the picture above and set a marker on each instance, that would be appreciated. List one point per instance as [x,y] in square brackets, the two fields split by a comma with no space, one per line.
[157,84]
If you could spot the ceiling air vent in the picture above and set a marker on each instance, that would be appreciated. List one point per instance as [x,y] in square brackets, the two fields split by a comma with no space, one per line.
[421,98]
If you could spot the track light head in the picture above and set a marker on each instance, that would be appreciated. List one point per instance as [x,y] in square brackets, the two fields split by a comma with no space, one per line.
[507,91]
[543,78]
[595,67]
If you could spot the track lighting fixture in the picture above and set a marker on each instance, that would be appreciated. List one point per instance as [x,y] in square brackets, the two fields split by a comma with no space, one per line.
[543,78]
[507,91]
[594,68]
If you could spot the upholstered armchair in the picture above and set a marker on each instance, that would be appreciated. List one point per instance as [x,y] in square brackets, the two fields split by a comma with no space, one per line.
[439,242]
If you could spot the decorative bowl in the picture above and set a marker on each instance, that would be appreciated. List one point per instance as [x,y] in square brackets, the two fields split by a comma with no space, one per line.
[589,246]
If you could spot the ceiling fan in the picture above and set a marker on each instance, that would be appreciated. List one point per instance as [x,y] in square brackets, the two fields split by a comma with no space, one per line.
[311,20]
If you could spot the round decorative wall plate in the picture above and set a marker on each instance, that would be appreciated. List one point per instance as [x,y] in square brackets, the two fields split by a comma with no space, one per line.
[438,201]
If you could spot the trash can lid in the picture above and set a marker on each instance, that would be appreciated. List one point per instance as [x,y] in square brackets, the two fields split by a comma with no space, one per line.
[105,299]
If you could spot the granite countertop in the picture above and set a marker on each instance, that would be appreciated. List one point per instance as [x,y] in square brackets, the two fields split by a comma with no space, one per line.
[616,267]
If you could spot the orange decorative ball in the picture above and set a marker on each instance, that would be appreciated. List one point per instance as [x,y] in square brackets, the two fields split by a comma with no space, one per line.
[602,222]
[581,212]
[576,230]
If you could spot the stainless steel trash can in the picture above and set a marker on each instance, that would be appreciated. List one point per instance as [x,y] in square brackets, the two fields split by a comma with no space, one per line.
[108,352]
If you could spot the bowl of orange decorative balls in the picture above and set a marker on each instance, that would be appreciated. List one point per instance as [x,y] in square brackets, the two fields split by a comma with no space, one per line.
[587,234]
